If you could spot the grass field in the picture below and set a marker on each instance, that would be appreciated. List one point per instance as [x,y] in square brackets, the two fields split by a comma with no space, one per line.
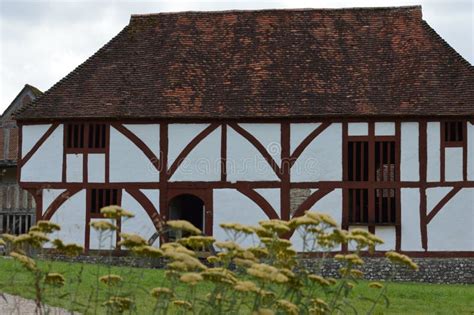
[405,298]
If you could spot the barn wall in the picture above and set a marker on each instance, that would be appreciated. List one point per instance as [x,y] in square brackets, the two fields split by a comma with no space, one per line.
[409,164]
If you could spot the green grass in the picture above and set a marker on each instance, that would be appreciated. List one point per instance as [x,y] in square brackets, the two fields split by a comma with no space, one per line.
[405,298]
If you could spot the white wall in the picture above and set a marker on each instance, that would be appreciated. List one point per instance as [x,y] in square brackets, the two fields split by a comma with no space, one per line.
[410,220]
[388,234]
[231,206]
[298,132]
[433,151]
[179,136]
[72,218]
[269,135]
[46,164]
[102,240]
[470,151]
[244,162]
[149,134]
[30,135]
[358,129]
[452,228]
[141,224]
[74,164]
[434,195]
[409,164]
[203,162]
[322,158]
[330,204]
[453,164]
[272,195]
[127,162]
[49,195]
[384,129]
[96,168]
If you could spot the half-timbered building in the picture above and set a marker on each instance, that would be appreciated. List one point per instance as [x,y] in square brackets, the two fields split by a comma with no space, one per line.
[241,116]
[17,208]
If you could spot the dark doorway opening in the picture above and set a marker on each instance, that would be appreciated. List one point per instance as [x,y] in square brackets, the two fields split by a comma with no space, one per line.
[186,207]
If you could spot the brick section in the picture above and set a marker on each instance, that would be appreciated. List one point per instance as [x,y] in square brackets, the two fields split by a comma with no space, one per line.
[297,197]
[269,64]
[13,144]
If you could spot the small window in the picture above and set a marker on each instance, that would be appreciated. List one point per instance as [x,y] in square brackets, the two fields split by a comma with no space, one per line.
[453,132]
[358,206]
[102,198]
[82,136]
[75,136]
[15,223]
[385,161]
[358,161]
[385,206]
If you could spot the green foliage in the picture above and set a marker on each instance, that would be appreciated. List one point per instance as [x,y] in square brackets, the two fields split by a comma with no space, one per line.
[266,278]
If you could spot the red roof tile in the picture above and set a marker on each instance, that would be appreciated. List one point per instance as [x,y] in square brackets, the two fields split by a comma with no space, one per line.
[268,63]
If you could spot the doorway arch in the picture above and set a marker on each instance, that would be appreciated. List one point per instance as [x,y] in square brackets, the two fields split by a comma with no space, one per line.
[187,207]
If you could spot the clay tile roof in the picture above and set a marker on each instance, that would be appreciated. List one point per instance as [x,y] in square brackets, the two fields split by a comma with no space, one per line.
[267,63]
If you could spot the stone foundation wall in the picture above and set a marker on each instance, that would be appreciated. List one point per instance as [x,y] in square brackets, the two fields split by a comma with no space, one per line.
[432,270]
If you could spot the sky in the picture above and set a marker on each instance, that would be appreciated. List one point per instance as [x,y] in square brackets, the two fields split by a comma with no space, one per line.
[41,41]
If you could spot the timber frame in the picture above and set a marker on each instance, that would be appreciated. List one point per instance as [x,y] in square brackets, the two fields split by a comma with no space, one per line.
[204,190]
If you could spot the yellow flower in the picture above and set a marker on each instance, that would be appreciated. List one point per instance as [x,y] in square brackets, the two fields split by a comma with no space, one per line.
[111,280]
[288,307]
[184,226]
[275,225]
[147,251]
[47,226]
[230,246]
[259,252]
[237,227]
[131,240]
[103,226]
[68,249]
[26,261]
[302,221]
[115,212]
[245,286]
[322,217]
[375,285]
[182,304]
[243,262]
[352,258]
[357,273]
[197,242]
[191,278]
[401,259]
[159,292]
[55,279]
[120,304]
[213,259]
[183,261]
[219,275]
[318,279]
[9,237]
[35,239]
[2,242]
[267,273]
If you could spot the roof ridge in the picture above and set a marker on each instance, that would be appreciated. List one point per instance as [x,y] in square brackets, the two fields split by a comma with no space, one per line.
[198,12]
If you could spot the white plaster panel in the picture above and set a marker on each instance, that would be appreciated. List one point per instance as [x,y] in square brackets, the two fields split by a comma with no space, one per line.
[74,168]
[102,240]
[179,136]
[451,229]
[470,151]
[433,152]
[322,158]
[30,135]
[203,162]
[298,132]
[434,195]
[272,195]
[384,129]
[71,216]
[330,204]
[388,234]
[49,195]
[353,245]
[149,134]
[96,168]
[46,164]
[244,162]
[269,136]
[141,224]
[453,164]
[127,162]
[154,196]
[409,164]
[233,207]
[410,219]
[358,129]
